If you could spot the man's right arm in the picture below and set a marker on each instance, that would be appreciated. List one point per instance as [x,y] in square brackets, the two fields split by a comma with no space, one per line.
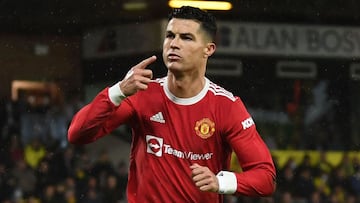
[98,118]
[103,114]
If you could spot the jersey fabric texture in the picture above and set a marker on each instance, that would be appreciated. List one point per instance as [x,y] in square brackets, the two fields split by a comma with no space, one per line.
[170,134]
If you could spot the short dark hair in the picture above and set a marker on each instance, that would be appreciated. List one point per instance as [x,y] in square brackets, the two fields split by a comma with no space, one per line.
[207,20]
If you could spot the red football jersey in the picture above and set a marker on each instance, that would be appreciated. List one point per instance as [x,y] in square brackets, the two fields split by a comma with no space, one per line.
[170,134]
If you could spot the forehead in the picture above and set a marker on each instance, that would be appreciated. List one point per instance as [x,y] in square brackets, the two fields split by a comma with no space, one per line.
[177,25]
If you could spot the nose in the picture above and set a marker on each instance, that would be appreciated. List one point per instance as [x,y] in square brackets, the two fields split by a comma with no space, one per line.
[174,42]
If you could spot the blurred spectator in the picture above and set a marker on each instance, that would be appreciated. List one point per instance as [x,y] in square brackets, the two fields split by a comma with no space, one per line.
[291,163]
[3,113]
[338,179]
[304,185]
[111,191]
[350,198]
[34,152]
[355,164]
[44,176]
[67,190]
[266,200]
[7,184]
[25,178]
[306,163]
[63,163]
[72,106]
[34,125]
[285,182]
[321,183]
[92,196]
[4,155]
[102,167]
[91,192]
[286,197]
[354,182]
[323,165]
[316,197]
[83,168]
[56,127]
[122,174]
[30,199]
[70,183]
[51,195]
[338,194]
[346,164]
[70,196]
[16,148]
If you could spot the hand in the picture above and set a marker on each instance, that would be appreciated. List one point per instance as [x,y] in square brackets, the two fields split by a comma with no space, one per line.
[137,78]
[204,178]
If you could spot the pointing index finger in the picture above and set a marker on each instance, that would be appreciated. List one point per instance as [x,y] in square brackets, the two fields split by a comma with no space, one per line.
[143,64]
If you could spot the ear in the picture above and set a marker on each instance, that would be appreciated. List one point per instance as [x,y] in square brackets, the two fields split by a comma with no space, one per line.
[209,49]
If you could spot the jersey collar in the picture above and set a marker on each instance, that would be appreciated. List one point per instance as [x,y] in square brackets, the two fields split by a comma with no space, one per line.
[186,101]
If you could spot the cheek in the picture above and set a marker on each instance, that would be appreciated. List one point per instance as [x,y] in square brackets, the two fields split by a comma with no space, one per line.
[196,53]
[166,43]
[164,50]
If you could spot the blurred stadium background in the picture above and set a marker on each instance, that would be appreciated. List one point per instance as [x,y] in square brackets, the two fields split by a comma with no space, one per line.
[295,64]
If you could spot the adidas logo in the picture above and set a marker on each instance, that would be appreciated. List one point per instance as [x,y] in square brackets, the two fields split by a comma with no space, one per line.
[158,118]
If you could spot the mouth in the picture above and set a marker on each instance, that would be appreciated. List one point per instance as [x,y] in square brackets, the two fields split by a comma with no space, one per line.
[173,57]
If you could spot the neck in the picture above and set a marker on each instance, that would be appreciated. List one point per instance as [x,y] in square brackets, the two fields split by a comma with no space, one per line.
[186,86]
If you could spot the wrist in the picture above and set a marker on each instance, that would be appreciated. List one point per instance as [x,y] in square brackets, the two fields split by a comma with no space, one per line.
[227,182]
[115,94]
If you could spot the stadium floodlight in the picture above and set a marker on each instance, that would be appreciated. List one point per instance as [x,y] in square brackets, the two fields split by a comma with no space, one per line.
[206,5]
[135,5]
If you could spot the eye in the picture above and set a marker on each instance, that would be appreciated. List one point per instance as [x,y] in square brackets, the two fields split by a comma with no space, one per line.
[169,35]
[187,37]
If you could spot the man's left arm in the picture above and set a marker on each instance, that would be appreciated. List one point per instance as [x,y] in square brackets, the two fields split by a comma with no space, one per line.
[257,178]
[258,171]
[258,175]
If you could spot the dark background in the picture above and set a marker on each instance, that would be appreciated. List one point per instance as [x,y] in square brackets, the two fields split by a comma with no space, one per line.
[69,16]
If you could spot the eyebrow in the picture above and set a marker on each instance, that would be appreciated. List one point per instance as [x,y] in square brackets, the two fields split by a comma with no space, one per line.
[181,34]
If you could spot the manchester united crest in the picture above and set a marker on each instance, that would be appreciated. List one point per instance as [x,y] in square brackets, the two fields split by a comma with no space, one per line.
[205,128]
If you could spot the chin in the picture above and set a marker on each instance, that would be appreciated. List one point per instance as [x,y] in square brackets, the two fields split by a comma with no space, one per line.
[173,66]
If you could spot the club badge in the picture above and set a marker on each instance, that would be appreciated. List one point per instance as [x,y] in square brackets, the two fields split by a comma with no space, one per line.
[205,128]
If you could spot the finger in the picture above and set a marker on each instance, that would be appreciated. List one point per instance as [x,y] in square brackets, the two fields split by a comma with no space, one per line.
[143,64]
[201,175]
[202,183]
[194,166]
[142,82]
[206,188]
[139,74]
[197,169]
[145,80]
[142,86]
[203,180]
[148,74]
[142,75]
[143,72]
[207,185]
[199,178]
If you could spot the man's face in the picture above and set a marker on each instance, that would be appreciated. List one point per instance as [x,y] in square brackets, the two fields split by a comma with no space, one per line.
[184,45]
